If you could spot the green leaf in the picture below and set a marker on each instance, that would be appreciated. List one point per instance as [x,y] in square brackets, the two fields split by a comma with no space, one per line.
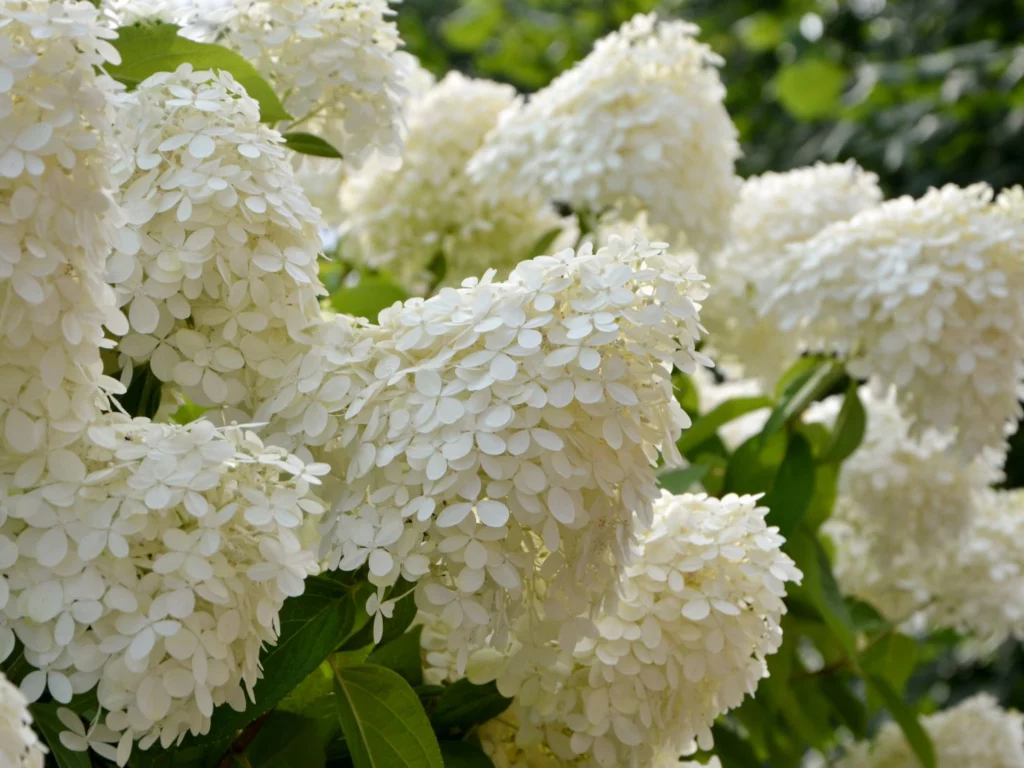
[143,395]
[543,243]
[686,393]
[761,31]
[383,720]
[820,589]
[463,705]
[472,25]
[680,480]
[849,429]
[732,749]
[906,718]
[150,48]
[288,740]
[793,488]
[826,488]
[308,144]
[845,704]
[810,89]
[706,426]
[312,625]
[372,293]
[188,412]
[891,657]
[796,398]
[402,655]
[753,466]
[49,726]
[462,754]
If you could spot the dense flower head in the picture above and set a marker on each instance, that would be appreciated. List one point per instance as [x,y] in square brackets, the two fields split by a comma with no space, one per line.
[152,560]
[57,219]
[973,583]
[699,611]
[217,268]
[774,211]
[502,433]
[975,732]
[906,491]
[926,295]
[332,62]
[19,745]
[638,125]
[404,220]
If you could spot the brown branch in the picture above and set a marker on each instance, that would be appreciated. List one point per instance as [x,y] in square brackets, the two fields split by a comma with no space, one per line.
[243,740]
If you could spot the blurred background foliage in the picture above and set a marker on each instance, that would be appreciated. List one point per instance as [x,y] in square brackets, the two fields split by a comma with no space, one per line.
[922,92]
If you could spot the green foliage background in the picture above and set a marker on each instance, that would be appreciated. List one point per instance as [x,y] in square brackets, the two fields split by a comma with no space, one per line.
[922,92]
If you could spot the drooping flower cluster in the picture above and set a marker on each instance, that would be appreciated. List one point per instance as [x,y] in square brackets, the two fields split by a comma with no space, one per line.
[638,125]
[687,640]
[504,432]
[217,267]
[333,64]
[428,212]
[775,211]
[56,222]
[19,745]
[927,295]
[976,732]
[904,492]
[152,560]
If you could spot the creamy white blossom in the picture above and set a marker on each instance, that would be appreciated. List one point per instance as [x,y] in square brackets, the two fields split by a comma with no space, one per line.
[57,220]
[686,641]
[217,268]
[333,64]
[926,295]
[428,211]
[775,211]
[976,732]
[903,491]
[502,433]
[19,745]
[151,560]
[638,125]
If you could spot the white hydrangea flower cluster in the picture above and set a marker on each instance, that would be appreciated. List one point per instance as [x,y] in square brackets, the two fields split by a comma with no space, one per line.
[19,745]
[218,267]
[153,559]
[775,210]
[698,613]
[924,294]
[333,63]
[402,220]
[973,584]
[905,492]
[976,732]
[57,220]
[124,13]
[504,433]
[638,125]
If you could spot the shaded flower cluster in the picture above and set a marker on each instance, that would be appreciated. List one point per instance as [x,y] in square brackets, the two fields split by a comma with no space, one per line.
[57,220]
[905,492]
[152,560]
[926,295]
[975,732]
[698,613]
[217,268]
[774,211]
[638,125]
[333,63]
[19,745]
[428,213]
